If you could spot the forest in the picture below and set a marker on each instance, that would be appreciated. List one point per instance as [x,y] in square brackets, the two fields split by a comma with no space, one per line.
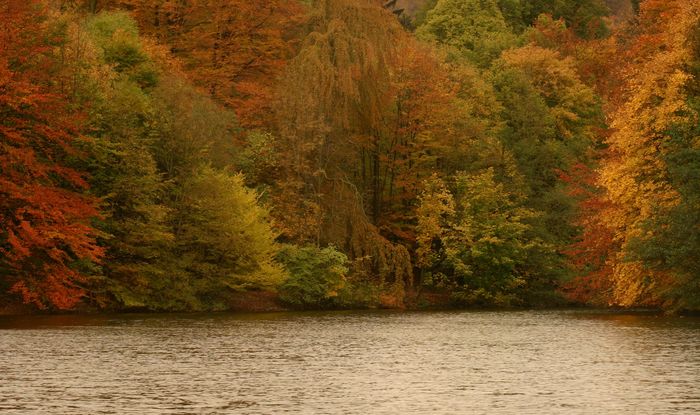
[171,155]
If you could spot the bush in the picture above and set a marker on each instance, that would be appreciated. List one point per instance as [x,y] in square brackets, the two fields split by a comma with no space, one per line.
[316,276]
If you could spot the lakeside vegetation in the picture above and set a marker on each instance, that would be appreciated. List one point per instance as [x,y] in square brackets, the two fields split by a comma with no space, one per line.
[170,155]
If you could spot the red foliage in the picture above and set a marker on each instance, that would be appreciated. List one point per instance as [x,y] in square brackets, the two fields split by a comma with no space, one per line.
[44,217]
[591,253]
[595,60]
[236,49]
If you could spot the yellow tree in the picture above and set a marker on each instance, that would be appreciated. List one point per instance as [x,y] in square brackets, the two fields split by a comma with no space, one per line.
[635,174]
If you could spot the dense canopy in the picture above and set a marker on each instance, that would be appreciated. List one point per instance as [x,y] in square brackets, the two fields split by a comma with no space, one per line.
[173,155]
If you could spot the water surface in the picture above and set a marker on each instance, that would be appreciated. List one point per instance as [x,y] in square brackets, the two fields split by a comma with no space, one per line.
[526,362]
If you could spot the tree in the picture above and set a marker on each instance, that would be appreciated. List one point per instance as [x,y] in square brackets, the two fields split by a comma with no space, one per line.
[316,276]
[234,48]
[333,123]
[591,252]
[640,185]
[475,29]
[477,240]
[596,60]
[224,238]
[46,242]
[190,129]
[124,174]
[385,113]
[585,17]
[551,123]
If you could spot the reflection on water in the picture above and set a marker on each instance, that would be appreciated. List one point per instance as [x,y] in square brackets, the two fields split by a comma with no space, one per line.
[530,362]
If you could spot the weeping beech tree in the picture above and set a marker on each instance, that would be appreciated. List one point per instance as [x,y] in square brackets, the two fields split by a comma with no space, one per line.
[334,134]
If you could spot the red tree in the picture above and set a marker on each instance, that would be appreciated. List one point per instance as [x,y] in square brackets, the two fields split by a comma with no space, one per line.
[44,213]
[236,49]
[592,254]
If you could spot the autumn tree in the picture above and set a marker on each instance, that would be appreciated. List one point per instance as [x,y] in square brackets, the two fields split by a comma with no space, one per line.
[179,233]
[590,252]
[651,129]
[333,132]
[235,49]
[475,239]
[46,241]
[596,60]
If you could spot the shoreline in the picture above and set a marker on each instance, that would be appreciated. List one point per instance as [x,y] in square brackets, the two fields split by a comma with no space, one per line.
[266,302]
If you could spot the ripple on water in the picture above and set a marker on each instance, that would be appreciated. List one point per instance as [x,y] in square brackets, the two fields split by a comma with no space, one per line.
[351,363]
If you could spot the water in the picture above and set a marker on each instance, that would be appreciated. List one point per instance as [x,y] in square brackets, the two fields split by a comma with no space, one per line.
[529,362]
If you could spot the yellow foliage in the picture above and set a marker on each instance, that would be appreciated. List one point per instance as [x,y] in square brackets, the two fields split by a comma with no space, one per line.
[634,174]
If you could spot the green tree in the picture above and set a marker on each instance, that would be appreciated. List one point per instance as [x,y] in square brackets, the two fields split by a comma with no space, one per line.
[474,29]
[476,239]
[316,276]
[190,130]
[125,175]
[138,241]
[585,17]
[672,243]
[224,238]
[551,119]
[117,36]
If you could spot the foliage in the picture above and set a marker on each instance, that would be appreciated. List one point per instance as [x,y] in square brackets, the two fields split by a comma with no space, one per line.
[46,240]
[223,236]
[643,171]
[502,151]
[235,49]
[477,237]
[636,175]
[473,28]
[339,142]
[551,121]
[316,276]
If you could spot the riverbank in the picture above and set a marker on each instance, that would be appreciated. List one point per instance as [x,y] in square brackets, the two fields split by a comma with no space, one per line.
[269,302]
[248,302]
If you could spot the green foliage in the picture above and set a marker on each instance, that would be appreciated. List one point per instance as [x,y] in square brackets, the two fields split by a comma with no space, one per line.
[190,130]
[223,235]
[125,176]
[474,29]
[549,125]
[671,244]
[258,160]
[492,239]
[423,11]
[585,17]
[117,35]
[514,12]
[104,25]
[317,276]
[476,239]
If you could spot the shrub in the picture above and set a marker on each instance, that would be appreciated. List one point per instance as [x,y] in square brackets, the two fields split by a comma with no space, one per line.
[316,276]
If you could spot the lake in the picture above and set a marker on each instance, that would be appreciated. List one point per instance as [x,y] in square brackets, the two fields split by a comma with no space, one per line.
[374,362]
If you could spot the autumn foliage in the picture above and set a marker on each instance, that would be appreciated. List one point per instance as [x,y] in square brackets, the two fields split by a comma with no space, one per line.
[171,154]
[44,211]
[235,49]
